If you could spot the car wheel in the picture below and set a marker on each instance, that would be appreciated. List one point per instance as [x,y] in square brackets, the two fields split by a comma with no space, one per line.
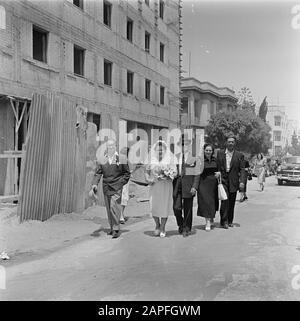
[280,181]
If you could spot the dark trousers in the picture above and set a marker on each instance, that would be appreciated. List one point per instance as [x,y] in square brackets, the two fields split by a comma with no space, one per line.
[186,220]
[227,208]
[113,209]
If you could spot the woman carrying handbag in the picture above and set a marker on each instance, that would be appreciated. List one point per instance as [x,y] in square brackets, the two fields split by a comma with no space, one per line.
[208,202]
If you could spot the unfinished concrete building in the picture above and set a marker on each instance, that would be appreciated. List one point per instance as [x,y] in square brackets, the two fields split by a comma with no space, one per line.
[119,59]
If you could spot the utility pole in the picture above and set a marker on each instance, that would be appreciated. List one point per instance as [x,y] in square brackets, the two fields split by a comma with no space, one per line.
[190,55]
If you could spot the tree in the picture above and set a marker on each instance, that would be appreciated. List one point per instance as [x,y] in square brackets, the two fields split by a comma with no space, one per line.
[294,149]
[253,135]
[294,140]
[263,109]
[245,99]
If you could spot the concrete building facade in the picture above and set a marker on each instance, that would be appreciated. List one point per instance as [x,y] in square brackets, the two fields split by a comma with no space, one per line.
[117,58]
[96,32]
[201,100]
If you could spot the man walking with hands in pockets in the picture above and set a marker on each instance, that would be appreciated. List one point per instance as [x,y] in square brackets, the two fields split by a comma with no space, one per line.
[116,174]
[231,168]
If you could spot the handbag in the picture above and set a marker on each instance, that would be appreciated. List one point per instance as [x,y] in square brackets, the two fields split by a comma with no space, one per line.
[249,177]
[221,191]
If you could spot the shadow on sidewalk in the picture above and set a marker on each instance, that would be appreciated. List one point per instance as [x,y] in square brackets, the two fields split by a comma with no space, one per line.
[97,233]
[216,225]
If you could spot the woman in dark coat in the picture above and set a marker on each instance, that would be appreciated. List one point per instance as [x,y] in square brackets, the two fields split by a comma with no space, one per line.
[208,201]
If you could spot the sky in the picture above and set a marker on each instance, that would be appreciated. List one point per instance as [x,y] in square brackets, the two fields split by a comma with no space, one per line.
[245,43]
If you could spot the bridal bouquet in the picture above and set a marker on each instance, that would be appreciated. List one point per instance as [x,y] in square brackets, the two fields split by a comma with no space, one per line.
[166,172]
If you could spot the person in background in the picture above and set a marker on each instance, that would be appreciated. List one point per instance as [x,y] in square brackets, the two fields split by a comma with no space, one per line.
[231,168]
[207,191]
[125,189]
[260,168]
[243,192]
[116,174]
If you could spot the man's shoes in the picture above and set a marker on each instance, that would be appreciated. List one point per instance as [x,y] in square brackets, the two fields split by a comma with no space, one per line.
[185,233]
[116,234]
[180,229]
[230,225]
[110,233]
[225,226]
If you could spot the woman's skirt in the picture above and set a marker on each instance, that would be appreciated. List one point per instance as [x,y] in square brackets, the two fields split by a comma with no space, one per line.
[261,178]
[208,201]
[161,198]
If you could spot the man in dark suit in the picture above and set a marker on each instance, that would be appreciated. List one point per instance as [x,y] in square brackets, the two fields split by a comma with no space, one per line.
[116,174]
[231,167]
[184,188]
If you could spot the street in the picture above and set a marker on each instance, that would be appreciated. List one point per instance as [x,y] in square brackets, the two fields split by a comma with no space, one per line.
[254,260]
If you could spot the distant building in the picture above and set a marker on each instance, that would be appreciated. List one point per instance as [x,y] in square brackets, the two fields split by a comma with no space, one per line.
[118,58]
[279,123]
[201,100]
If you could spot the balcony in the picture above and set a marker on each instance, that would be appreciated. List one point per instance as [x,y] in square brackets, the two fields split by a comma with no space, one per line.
[185,121]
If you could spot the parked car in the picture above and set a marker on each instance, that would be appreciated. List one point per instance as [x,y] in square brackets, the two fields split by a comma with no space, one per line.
[289,170]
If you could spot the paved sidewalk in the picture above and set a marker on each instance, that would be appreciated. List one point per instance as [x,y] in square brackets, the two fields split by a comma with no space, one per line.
[33,237]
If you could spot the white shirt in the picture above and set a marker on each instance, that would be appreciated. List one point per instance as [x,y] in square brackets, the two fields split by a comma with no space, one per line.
[228,159]
[186,155]
[111,159]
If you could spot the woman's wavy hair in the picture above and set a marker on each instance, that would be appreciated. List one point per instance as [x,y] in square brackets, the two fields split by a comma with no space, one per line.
[212,147]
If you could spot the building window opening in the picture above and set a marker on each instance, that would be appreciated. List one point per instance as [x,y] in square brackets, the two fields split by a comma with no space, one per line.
[78,3]
[277,121]
[147,89]
[107,72]
[162,95]
[129,29]
[277,136]
[94,118]
[40,43]
[107,13]
[161,8]
[147,41]
[78,60]
[162,52]
[129,82]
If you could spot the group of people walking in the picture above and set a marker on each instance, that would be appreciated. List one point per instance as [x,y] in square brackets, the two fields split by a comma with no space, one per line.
[174,186]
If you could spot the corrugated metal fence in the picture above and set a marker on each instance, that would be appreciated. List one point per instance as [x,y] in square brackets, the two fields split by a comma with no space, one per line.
[53,170]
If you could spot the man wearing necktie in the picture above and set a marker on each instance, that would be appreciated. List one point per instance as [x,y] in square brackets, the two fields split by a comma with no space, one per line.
[232,170]
[185,186]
